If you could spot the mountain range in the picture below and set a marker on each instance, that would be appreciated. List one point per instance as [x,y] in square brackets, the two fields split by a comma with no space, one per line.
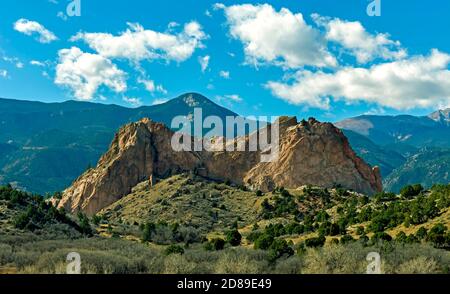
[44,147]
[408,149]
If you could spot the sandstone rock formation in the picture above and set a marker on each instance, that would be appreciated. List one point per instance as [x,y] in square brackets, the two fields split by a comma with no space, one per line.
[310,153]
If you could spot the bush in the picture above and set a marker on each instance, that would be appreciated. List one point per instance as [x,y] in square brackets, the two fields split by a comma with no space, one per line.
[174,249]
[419,265]
[411,191]
[401,237]
[360,230]
[346,239]
[263,242]
[85,227]
[421,233]
[381,236]
[215,244]
[436,235]
[315,242]
[233,237]
[278,248]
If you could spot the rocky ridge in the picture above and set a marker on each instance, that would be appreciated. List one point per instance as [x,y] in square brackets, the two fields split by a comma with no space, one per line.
[310,153]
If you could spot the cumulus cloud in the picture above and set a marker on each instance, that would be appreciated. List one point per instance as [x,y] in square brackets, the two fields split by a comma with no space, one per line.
[224,74]
[137,43]
[416,82]
[84,73]
[29,28]
[204,62]
[151,86]
[364,46]
[281,38]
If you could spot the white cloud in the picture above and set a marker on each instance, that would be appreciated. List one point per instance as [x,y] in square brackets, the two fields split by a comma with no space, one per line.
[137,43]
[29,28]
[37,63]
[363,45]
[151,86]
[416,82]
[224,74]
[204,62]
[84,73]
[159,101]
[281,38]
[173,24]
[3,73]
[229,98]
[20,65]
[135,102]
[161,89]
[62,16]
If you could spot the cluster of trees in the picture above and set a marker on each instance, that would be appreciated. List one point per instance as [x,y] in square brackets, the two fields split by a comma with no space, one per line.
[283,204]
[413,206]
[14,197]
[438,235]
[409,212]
[387,210]
[36,213]
[267,239]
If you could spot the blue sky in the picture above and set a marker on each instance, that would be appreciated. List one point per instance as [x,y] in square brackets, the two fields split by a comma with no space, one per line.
[326,59]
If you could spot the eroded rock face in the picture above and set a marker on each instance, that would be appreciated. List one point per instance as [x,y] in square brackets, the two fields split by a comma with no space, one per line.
[311,153]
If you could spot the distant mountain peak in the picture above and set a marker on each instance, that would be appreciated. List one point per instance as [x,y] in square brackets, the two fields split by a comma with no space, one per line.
[194,99]
[441,116]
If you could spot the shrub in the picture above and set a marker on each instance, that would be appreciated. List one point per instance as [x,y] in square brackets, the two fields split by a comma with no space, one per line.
[315,242]
[436,235]
[381,236]
[411,191]
[215,244]
[278,248]
[233,237]
[85,227]
[421,233]
[263,242]
[419,265]
[360,230]
[239,261]
[346,239]
[96,219]
[334,241]
[174,249]
[401,237]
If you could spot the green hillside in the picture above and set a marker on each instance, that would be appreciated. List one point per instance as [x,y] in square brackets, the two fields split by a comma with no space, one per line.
[429,166]
[186,224]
